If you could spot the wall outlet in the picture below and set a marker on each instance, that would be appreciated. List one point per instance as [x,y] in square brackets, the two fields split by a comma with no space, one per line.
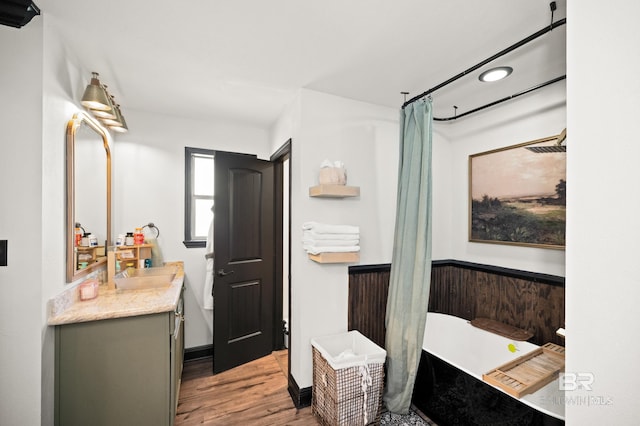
[3,252]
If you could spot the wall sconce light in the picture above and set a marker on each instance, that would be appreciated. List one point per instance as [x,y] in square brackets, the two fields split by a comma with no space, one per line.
[121,126]
[102,105]
[108,113]
[108,118]
[115,123]
[95,95]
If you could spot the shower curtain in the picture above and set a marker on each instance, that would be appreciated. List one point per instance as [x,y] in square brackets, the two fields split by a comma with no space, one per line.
[411,260]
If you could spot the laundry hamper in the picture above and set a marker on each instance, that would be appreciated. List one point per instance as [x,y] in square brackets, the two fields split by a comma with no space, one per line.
[348,376]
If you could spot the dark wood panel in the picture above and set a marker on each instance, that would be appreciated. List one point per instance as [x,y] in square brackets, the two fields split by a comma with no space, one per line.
[533,306]
[245,219]
[498,270]
[533,302]
[368,304]
[245,297]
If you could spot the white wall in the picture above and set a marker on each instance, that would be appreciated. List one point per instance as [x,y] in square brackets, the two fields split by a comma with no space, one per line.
[603,271]
[21,224]
[64,79]
[528,118]
[148,167]
[365,138]
[443,193]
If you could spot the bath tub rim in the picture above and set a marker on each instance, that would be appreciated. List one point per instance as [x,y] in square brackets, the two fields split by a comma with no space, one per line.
[549,399]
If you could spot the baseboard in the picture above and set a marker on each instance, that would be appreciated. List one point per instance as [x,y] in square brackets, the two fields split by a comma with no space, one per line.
[301,397]
[198,352]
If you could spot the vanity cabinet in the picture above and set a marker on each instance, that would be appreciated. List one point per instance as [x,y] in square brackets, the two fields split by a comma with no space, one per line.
[121,371]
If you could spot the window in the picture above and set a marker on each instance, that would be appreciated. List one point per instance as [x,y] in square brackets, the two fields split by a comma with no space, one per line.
[198,195]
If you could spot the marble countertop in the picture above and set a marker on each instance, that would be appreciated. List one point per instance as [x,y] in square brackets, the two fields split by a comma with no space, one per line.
[67,308]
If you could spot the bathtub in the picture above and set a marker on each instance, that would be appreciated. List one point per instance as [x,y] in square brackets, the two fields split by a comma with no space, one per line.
[475,351]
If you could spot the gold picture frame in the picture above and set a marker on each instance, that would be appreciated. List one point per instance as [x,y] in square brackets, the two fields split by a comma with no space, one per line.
[517,194]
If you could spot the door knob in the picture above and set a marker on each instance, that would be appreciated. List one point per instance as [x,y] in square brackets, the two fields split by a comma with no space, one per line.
[223,273]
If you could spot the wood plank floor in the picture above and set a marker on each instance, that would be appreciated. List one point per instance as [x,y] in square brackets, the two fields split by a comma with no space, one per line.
[252,394]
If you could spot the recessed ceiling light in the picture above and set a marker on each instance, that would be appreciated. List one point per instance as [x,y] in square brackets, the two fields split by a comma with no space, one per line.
[495,74]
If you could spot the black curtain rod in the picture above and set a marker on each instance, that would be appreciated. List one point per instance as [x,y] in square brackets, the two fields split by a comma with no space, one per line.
[499,101]
[490,59]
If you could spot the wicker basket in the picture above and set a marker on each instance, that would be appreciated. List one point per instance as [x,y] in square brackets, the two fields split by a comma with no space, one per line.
[338,398]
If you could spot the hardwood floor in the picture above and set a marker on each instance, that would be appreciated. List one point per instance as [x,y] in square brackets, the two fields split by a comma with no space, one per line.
[252,394]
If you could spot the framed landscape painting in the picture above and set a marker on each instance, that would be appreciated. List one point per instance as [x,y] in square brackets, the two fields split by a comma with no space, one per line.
[517,194]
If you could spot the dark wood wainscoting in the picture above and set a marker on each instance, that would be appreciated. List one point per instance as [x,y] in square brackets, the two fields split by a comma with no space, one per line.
[531,301]
[368,289]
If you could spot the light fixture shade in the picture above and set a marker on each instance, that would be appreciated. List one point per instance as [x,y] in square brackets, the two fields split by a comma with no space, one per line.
[117,124]
[102,105]
[121,127]
[95,97]
[109,121]
[108,113]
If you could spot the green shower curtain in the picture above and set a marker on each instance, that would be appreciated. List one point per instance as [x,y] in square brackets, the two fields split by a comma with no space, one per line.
[411,260]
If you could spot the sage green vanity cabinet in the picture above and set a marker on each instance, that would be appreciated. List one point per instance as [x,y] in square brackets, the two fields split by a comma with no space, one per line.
[122,371]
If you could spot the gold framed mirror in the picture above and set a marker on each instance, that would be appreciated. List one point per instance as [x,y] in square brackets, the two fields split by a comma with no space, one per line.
[88,230]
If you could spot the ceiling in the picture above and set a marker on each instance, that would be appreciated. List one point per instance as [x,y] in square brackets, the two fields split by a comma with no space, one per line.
[245,60]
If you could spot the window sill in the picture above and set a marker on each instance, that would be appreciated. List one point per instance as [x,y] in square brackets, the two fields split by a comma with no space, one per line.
[195,244]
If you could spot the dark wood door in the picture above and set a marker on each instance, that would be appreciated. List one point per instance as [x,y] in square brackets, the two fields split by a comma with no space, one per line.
[243,315]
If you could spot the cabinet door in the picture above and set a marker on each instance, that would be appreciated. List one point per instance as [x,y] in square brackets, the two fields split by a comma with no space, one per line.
[177,355]
[114,372]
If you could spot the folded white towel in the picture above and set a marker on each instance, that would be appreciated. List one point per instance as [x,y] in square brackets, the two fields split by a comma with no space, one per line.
[323,228]
[334,249]
[312,235]
[329,243]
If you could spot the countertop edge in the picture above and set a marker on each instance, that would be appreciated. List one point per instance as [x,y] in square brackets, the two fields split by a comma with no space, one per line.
[112,304]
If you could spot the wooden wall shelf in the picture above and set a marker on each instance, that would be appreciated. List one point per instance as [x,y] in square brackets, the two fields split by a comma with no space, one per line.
[130,256]
[348,257]
[334,191]
[88,255]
